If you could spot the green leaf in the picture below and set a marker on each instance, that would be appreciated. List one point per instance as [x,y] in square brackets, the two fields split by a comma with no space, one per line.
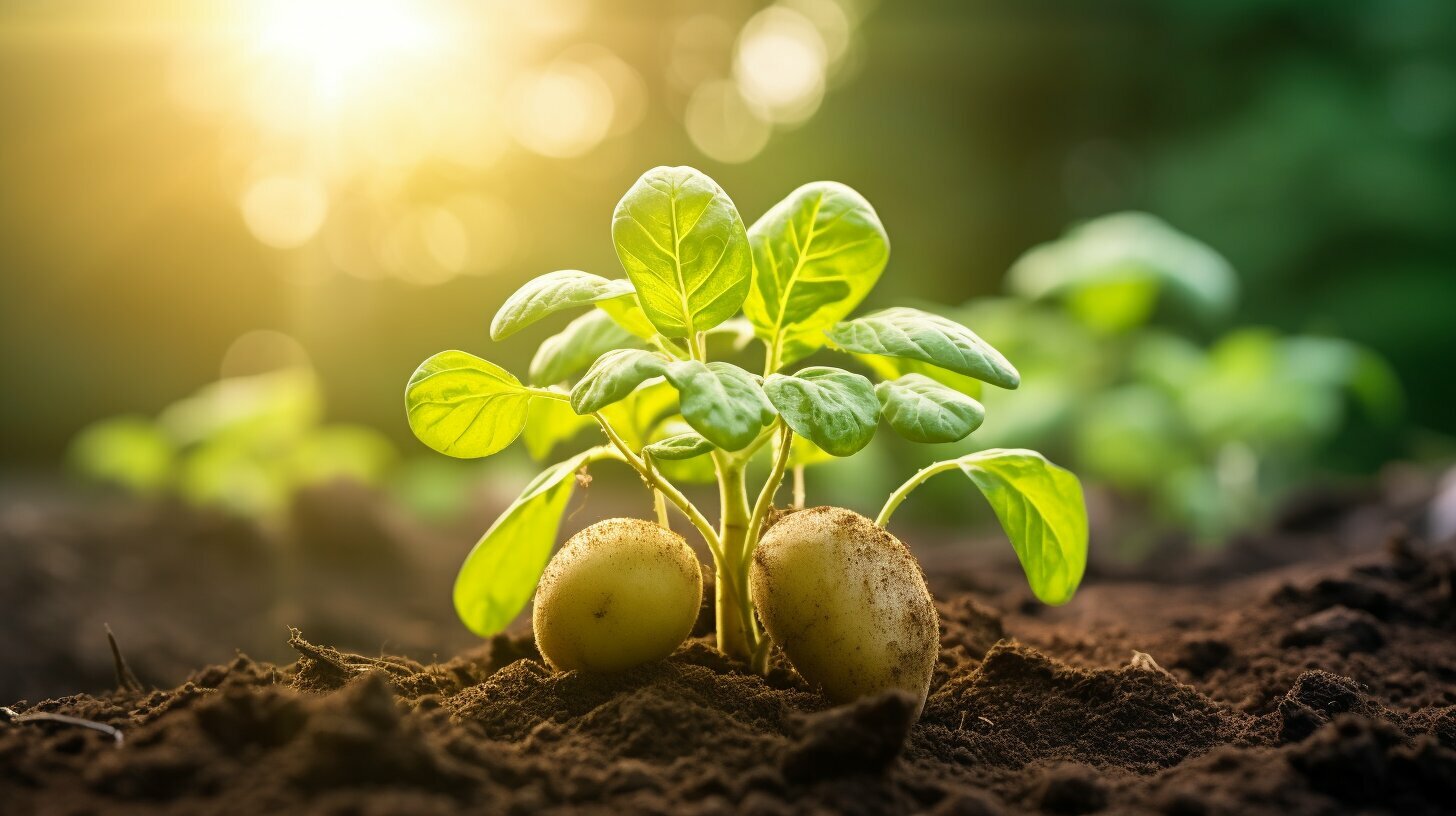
[923,410]
[130,451]
[549,423]
[500,574]
[466,407]
[613,376]
[639,416]
[889,368]
[627,311]
[566,354]
[1130,255]
[342,451]
[831,407]
[929,338]
[803,453]
[550,293]
[682,446]
[685,249]
[694,470]
[1040,507]
[721,401]
[816,255]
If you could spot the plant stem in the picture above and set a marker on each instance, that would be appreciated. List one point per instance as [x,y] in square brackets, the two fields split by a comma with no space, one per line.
[737,630]
[798,487]
[657,482]
[883,519]
[770,488]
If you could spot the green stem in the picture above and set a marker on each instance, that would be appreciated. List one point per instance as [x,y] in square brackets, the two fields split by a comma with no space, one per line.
[659,504]
[883,519]
[737,630]
[657,482]
[770,488]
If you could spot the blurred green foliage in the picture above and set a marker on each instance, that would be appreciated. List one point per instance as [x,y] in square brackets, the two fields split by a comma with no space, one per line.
[244,444]
[1212,434]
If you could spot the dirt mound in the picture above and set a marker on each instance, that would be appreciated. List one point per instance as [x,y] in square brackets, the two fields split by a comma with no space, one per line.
[1260,710]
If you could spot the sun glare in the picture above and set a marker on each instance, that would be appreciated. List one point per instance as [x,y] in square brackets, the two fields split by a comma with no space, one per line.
[342,43]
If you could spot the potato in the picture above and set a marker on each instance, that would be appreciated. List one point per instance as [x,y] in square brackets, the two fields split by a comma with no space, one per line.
[620,593]
[847,603]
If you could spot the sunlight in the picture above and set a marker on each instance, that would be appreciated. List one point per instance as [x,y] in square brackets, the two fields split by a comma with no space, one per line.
[342,44]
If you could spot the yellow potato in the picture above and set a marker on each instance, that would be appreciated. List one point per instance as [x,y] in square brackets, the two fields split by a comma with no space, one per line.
[620,593]
[847,603]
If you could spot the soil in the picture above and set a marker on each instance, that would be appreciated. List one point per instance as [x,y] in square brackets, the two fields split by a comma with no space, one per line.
[1309,669]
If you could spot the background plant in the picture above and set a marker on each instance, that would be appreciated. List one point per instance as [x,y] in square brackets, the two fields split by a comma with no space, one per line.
[644,375]
[1135,378]
[245,444]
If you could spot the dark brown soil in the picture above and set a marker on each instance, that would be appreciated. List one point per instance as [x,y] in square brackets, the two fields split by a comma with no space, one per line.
[1297,686]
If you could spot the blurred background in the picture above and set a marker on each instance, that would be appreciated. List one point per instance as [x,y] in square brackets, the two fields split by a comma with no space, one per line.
[1219,240]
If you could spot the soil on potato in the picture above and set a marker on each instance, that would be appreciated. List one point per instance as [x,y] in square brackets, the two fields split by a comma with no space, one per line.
[1311,670]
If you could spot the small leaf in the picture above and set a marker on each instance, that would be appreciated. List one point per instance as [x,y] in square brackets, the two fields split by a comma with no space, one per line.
[464,406]
[816,255]
[929,338]
[685,249]
[549,423]
[889,368]
[721,401]
[627,311]
[922,410]
[682,446]
[550,293]
[803,453]
[831,407]
[566,354]
[613,376]
[500,574]
[696,470]
[639,416]
[1040,507]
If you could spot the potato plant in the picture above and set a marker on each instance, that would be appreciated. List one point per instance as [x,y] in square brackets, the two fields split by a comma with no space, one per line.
[638,367]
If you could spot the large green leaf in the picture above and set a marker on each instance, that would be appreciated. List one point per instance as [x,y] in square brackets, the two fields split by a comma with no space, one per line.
[550,293]
[567,353]
[1040,507]
[929,338]
[923,410]
[685,249]
[613,376]
[464,406]
[831,407]
[721,401]
[816,255]
[500,574]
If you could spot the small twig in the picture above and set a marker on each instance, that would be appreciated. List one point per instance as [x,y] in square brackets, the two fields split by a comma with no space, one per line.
[125,678]
[64,719]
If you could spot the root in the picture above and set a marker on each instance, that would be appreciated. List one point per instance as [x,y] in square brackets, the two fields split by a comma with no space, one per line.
[125,677]
[44,716]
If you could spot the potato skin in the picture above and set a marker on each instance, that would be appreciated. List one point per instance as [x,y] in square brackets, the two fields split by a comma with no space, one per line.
[847,603]
[620,593]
